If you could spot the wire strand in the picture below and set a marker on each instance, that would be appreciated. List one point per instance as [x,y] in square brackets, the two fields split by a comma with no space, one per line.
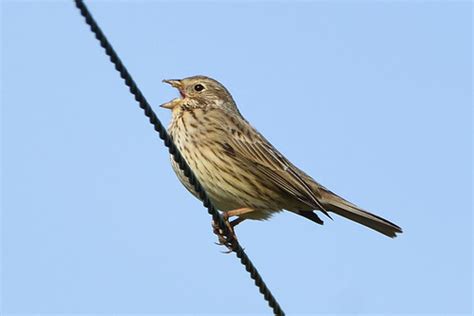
[140,98]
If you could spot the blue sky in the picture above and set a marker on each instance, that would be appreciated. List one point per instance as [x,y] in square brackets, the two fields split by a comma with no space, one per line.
[373,99]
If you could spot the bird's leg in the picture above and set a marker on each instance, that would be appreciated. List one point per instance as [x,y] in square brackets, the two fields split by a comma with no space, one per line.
[239,211]
[224,240]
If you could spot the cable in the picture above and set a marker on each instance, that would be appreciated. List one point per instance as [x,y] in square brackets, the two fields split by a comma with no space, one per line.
[140,98]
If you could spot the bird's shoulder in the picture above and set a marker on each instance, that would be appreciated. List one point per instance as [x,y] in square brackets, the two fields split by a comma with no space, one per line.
[246,139]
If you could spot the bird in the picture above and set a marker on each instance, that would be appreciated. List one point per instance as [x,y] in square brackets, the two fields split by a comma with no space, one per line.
[244,175]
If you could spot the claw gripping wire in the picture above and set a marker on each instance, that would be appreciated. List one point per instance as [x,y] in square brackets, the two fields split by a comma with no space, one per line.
[140,98]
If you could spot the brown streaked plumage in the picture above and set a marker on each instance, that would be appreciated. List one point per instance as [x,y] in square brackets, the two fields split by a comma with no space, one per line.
[242,172]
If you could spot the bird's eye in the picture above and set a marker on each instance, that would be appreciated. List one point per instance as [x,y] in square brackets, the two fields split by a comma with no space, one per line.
[199,87]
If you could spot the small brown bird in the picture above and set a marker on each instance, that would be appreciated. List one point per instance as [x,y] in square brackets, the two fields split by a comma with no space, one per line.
[244,175]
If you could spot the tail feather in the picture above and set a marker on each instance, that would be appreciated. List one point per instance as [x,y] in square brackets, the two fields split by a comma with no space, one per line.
[338,205]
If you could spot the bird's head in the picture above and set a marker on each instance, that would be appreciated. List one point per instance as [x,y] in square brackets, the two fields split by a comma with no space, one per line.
[200,91]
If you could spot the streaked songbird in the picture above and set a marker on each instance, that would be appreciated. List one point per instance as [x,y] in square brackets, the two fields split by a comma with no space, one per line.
[243,174]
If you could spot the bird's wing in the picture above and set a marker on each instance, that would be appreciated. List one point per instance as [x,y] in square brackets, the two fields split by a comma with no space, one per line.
[250,146]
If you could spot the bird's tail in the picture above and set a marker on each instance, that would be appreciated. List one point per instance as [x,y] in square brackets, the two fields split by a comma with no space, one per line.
[338,205]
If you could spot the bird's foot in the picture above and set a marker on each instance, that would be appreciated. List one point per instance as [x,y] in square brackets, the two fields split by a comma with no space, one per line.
[230,243]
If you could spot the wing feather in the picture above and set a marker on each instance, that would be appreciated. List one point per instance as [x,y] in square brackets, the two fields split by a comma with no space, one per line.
[253,148]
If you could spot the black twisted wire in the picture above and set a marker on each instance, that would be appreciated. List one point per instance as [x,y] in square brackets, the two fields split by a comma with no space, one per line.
[140,98]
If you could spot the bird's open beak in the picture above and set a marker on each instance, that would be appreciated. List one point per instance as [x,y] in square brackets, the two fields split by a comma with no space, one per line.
[174,83]
[178,85]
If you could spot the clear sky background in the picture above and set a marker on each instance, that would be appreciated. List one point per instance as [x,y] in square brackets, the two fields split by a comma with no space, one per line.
[373,99]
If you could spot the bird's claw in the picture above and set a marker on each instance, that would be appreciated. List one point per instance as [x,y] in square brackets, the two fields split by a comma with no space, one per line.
[223,240]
